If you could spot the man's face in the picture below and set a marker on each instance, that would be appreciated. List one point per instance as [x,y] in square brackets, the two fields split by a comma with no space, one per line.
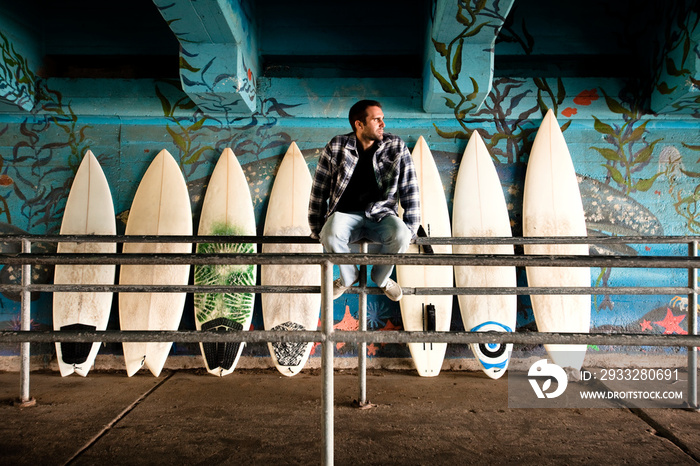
[373,127]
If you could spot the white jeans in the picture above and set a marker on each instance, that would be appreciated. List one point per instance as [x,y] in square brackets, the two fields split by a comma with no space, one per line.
[341,229]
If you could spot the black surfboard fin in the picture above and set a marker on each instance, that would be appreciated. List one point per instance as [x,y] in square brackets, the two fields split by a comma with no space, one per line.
[427,249]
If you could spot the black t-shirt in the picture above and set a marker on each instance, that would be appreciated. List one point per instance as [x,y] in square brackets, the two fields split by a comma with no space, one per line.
[362,188]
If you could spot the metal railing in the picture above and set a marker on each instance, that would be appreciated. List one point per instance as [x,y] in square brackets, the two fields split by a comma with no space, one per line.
[327,336]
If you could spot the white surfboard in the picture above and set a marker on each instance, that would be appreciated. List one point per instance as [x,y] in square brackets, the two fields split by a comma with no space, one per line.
[417,311]
[227,210]
[161,206]
[479,209]
[287,215]
[89,211]
[552,207]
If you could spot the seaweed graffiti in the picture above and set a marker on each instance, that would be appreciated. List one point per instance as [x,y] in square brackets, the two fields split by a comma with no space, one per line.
[186,122]
[624,161]
[36,188]
[246,134]
[18,80]
[630,152]
[509,127]
[685,204]
[506,95]
[462,102]
[673,55]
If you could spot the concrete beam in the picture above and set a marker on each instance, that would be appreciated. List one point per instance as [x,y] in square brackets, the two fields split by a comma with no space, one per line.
[19,57]
[219,60]
[677,84]
[458,69]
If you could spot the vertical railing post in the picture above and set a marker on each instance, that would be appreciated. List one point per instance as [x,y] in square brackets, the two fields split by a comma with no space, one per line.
[25,325]
[693,329]
[327,361]
[362,347]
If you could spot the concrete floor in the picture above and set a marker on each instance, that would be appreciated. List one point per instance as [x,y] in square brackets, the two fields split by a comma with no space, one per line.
[261,417]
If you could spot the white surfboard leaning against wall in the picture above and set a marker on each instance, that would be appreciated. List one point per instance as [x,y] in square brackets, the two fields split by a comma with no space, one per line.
[161,206]
[434,312]
[479,210]
[552,206]
[227,210]
[287,215]
[89,211]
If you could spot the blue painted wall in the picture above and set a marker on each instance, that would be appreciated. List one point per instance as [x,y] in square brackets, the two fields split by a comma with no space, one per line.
[639,170]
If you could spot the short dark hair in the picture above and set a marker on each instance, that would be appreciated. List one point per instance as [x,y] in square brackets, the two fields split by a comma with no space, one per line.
[359,111]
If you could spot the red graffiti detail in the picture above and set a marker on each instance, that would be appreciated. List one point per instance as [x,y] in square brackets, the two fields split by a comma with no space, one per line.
[585,97]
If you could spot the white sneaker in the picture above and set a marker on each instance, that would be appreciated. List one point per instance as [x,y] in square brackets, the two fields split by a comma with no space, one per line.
[392,290]
[338,288]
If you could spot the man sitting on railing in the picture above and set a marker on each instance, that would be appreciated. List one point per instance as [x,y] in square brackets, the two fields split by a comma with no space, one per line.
[360,178]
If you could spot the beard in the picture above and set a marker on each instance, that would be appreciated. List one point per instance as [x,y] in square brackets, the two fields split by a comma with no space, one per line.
[373,135]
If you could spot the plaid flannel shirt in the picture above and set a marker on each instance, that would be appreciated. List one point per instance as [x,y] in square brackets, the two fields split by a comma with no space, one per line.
[396,179]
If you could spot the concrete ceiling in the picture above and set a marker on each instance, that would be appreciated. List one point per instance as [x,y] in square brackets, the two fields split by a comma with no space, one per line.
[221,49]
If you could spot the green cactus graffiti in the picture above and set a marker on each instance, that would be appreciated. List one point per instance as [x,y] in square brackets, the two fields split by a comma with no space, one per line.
[236,306]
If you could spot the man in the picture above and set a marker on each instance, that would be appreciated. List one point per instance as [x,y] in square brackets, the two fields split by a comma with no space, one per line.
[360,178]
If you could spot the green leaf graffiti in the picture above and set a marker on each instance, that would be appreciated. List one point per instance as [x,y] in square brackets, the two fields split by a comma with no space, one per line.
[686,204]
[452,52]
[18,80]
[630,152]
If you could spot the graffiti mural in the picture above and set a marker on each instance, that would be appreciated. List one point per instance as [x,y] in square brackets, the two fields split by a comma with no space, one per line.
[638,171]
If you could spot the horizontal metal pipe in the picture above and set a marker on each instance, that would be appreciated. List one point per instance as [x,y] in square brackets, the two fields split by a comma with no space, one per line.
[181,336]
[525,290]
[306,239]
[49,288]
[361,259]
[526,338]
[258,336]
[528,290]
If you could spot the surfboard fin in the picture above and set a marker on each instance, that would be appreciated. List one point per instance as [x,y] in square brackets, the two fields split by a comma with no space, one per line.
[429,320]
[221,354]
[427,249]
[76,353]
[430,325]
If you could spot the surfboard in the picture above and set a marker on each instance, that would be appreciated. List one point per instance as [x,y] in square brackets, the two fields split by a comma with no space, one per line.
[89,211]
[479,209]
[227,210]
[552,207]
[287,215]
[161,206]
[428,312]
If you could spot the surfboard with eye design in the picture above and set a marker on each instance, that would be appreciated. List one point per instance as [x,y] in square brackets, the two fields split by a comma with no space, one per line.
[479,209]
